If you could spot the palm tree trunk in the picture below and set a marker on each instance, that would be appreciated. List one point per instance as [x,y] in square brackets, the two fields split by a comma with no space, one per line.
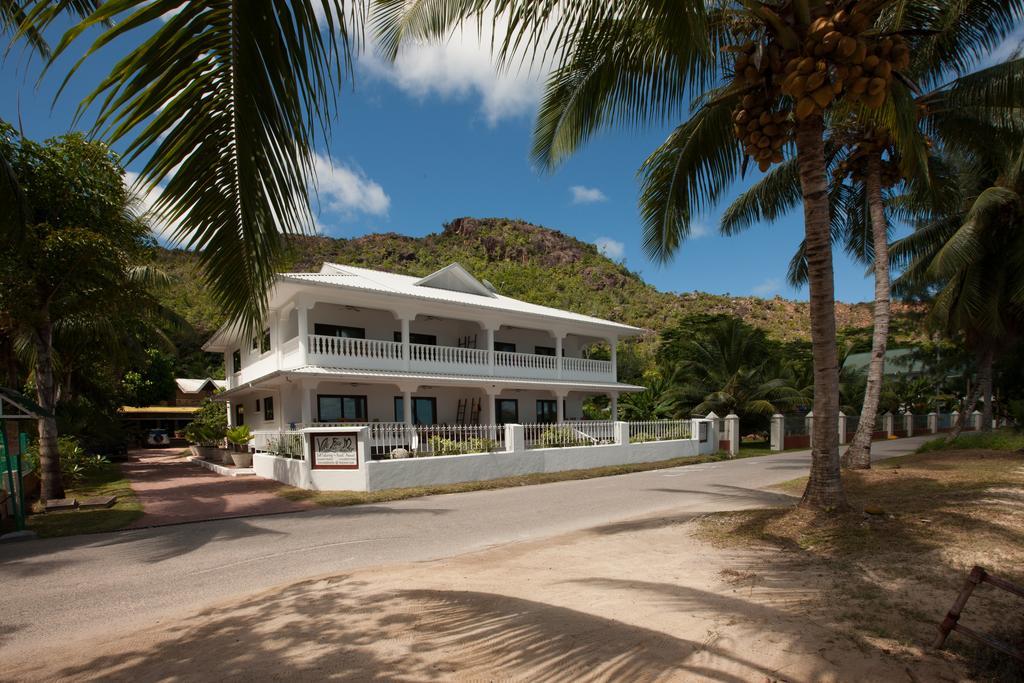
[984,369]
[985,382]
[825,487]
[858,455]
[52,488]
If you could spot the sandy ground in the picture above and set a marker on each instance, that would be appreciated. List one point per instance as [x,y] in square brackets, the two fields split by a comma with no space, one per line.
[637,601]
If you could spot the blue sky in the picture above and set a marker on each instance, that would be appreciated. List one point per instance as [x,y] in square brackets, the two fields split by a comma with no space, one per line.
[441,135]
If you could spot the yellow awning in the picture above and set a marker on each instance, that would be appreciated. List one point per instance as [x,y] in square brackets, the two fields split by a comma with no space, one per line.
[163,410]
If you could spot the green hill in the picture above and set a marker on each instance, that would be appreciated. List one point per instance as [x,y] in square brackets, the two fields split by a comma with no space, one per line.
[532,263]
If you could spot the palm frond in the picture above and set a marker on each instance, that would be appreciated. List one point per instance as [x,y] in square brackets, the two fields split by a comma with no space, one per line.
[770,198]
[688,173]
[226,97]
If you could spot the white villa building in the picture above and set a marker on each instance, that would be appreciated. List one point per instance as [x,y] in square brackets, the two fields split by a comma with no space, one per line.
[352,345]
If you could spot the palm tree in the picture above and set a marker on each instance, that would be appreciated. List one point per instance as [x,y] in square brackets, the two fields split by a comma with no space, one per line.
[730,368]
[982,102]
[972,259]
[775,70]
[658,401]
[223,100]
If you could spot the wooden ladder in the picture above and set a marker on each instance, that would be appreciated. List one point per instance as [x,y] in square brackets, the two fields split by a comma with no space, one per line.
[467,342]
[474,411]
[460,417]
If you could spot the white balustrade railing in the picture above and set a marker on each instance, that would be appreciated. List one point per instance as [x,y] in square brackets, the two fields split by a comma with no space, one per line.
[659,430]
[524,361]
[587,365]
[567,434]
[354,348]
[447,355]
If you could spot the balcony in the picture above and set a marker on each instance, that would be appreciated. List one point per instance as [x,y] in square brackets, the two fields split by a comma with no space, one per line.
[381,355]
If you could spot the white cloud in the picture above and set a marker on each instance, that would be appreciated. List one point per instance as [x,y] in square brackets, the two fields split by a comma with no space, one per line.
[462,67]
[347,190]
[769,287]
[586,195]
[613,249]
[162,229]
[698,230]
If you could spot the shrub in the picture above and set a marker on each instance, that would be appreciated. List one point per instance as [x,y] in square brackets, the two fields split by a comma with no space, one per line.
[558,437]
[442,446]
[239,436]
[209,424]
[75,462]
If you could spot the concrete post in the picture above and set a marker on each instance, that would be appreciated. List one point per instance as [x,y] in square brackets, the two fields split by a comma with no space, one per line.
[559,337]
[842,427]
[613,407]
[933,422]
[908,423]
[406,356]
[953,417]
[614,343]
[621,433]
[889,422]
[976,418]
[490,350]
[407,408]
[777,432]
[713,432]
[732,433]
[515,438]
[809,425]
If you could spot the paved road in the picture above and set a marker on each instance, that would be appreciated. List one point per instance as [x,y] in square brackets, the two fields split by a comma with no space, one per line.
[58,590]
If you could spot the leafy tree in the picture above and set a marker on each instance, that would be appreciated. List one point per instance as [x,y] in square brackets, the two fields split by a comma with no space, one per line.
[152,383]
[70,263]
[658,401]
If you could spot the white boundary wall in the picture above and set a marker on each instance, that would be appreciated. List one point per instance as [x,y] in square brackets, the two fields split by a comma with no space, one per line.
[377,475]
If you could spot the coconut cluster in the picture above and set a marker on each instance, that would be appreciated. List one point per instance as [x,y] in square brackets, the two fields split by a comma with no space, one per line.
[840,60]
[874,143]
[840,56]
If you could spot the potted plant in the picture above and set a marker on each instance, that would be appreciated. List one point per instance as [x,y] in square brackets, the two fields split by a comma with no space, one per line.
[239,438]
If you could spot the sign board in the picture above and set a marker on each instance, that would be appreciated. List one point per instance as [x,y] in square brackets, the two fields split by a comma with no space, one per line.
[334,450]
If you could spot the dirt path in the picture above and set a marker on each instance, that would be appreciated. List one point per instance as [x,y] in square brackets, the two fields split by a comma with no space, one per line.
[173,490]
[637,601]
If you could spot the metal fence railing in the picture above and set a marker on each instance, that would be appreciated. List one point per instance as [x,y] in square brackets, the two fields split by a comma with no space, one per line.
[660,430]
[568,434]
[284,444]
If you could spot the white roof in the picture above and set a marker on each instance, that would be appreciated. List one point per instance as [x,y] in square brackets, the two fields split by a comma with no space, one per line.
[452,284]
[194,386]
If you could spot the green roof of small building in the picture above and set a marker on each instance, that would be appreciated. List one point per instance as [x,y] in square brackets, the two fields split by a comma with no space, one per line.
[897,362]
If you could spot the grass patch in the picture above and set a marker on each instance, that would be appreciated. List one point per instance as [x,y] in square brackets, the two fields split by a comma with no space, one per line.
[343,498]
[891,566]
[106,481]
[1002,440]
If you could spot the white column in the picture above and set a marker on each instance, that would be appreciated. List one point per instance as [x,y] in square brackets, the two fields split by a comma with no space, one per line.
[560,402]
[976,418]
[406,358]
[407,407]
[231,413]
[933,422]
[889,422]
[614,343]
[954,417]
[908,423]
[306,393]
[303,315]
[490,350]
[276,323]
[842,427]
[614,406]
[558,358]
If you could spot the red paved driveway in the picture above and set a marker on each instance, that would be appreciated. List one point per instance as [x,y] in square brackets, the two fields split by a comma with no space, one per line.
[172,490]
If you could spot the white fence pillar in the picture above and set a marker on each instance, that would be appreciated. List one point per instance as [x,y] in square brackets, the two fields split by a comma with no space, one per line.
[809,424]
[714,435]
[933,422]
[908,423]
[976,417]
[842,428]
[515,438]
[732,433]
[954,417]
[889,422]
[777,432]
[621,433]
